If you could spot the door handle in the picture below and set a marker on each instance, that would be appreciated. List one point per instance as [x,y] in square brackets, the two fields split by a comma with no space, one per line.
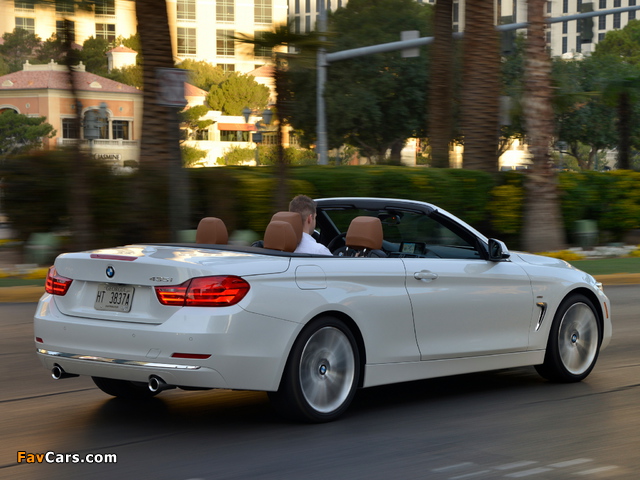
[425,275]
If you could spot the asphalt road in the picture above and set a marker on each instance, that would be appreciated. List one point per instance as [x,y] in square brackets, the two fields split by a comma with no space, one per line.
[505,424]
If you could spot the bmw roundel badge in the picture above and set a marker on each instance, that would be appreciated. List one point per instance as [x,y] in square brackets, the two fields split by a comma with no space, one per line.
[110,271]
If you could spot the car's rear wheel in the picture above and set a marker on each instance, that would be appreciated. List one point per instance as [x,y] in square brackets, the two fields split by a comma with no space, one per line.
[574,341]
[322,373]
[123,388]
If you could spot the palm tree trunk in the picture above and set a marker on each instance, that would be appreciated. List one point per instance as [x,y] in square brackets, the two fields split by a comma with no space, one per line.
[159,145]
[441,86]
[624,130]
[481,87]
[543,229]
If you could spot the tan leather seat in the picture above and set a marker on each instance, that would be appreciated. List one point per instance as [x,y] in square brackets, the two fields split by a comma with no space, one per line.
[280,235]
[294,218]
[364,233]
[212,230]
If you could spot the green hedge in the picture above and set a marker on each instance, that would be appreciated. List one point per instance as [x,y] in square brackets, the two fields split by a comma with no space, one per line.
[127,208]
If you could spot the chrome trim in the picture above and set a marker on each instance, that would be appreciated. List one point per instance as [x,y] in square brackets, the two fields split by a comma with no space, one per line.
[116,361]
[543,310]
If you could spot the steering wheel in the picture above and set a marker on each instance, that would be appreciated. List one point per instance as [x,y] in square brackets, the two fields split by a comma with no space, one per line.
[334,243]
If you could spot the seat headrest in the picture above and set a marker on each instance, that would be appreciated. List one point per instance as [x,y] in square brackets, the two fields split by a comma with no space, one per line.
[212,230]
[294,218]
[280,235]
[364,233]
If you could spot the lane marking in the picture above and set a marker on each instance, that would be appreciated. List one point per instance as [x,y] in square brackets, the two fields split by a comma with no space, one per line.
[511,466]
[528,473]
[448,468]
[597,470]
[571,463]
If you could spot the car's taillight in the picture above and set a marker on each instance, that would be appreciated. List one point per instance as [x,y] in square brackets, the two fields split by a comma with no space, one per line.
[56,284]
[218,291]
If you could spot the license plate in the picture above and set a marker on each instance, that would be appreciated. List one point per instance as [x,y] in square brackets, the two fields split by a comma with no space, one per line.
[114,298]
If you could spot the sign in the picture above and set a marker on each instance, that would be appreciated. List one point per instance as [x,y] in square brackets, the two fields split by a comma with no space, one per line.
[171,86]
[108,156]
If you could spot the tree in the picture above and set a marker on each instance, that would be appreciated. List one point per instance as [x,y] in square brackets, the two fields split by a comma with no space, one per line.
[542,229]
[623,44]
[94,55]
[441,86]
[18,46]
[237,91]
[375,102]
[20,133]
[129,75]
[203,74]
[51,49]
[481,87]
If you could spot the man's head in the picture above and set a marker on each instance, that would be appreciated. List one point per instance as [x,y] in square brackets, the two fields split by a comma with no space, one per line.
[306,207]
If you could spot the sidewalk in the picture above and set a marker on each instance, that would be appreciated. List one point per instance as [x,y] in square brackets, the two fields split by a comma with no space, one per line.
[28,294]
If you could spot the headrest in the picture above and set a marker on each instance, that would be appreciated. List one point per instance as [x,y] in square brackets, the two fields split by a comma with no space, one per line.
[294,218]
[280,235]
[212,230]
[364,232]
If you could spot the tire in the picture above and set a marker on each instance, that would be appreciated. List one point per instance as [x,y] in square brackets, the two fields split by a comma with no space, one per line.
[322,373]
[574,341]
[124,389]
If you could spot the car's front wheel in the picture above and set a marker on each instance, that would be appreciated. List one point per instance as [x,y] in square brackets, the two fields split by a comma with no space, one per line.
[123,388]
[574,341]
[321,375]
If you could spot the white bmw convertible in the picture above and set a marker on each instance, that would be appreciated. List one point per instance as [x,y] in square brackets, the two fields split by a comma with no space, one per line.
[410,292]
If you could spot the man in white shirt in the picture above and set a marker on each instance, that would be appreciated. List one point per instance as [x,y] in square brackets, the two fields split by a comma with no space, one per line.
[306,207]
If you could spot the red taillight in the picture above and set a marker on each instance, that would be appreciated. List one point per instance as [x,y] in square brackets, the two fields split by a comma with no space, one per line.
[56,284]
[218,291]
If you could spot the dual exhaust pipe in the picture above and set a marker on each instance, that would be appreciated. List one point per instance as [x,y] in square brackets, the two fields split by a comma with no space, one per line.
[156,384]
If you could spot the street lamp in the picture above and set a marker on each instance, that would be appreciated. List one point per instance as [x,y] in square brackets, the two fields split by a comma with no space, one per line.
[267,115]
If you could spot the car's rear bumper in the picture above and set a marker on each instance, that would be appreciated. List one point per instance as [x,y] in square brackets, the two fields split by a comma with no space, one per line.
[247,351]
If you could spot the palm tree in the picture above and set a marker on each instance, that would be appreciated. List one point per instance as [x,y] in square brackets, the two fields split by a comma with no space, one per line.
[481,87]
[441,86]
[542,229]
[624,92]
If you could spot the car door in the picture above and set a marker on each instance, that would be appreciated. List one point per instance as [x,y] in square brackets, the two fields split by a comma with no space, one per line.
[464,305]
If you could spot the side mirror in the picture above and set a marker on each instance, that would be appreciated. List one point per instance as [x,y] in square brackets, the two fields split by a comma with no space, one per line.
[498,251]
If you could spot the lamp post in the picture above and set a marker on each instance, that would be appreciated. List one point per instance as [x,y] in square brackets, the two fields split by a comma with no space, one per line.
[267,115]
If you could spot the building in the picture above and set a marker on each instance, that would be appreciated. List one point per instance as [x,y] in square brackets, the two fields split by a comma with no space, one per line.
[200,29]
[45,90]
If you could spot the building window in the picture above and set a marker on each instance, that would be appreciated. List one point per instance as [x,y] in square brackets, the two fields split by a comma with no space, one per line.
[70,128]
[565,27]
[120,129]
[307,6]
[64,6]
[234,136]
[307,23]
[601,36]
[617,3]
[225,45]
[549,6]
[602,22]
[602,4]
[105,7]
[64,28]
[106,31]
[565,6]
[616,20]
[565,48]
[225,11]
[186,10]
[227,67]
[186,41]
[632,13]
[262,11]
[28,24]
[297,7]
[24,5]
[456,12]
[578,44]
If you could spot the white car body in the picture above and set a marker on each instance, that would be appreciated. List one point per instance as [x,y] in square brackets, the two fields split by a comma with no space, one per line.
[412,317]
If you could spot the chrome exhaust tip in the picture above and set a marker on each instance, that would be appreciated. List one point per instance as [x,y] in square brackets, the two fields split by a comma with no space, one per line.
[58,373]
[156,384]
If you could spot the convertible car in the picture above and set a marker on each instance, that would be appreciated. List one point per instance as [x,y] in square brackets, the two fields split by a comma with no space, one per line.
[410,292]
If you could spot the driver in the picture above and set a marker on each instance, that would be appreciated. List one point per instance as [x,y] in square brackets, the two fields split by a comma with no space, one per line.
[306,207]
